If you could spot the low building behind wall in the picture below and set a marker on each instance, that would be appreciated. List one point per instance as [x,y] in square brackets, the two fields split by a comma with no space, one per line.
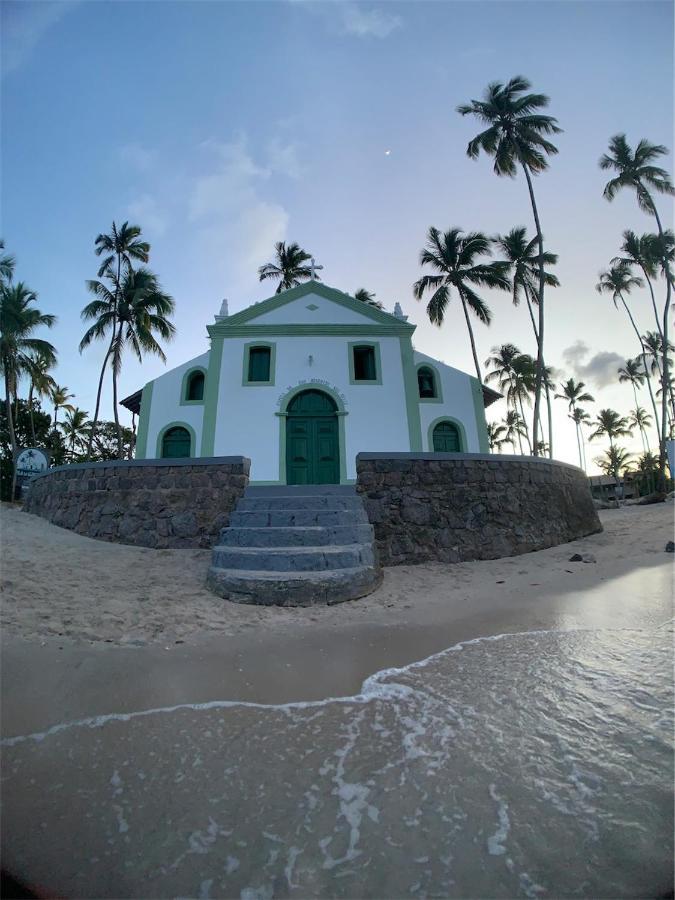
[159,503]
[454,507]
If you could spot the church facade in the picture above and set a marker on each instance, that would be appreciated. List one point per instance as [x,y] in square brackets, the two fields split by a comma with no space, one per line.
[302,382]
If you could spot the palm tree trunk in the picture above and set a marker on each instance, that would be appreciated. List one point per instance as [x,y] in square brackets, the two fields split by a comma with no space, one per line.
[98,395]
[644,364]
[540,340]
[120,451]
[546,387]
[527,430]
[578,444]
[651,291]
[30,413]
[12,433]
[471,338]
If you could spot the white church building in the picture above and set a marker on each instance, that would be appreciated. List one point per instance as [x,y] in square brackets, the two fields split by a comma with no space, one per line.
[302,382]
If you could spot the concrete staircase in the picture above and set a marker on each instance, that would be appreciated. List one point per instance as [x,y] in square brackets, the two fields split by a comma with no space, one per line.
[296,546]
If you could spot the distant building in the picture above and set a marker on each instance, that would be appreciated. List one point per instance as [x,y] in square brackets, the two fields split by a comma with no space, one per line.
[304,381]
[607,487]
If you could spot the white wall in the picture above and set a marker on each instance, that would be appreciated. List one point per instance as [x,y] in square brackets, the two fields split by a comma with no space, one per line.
[376,414]
[166,406]
[327,313]
[457,403]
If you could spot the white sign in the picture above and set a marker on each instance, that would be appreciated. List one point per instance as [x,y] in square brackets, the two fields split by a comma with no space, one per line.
[31,462]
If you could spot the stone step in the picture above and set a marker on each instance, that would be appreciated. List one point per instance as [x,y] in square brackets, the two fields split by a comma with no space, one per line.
[300,501]
[307,536]
[297,490]
[289,518]
[294,588]
[293,559]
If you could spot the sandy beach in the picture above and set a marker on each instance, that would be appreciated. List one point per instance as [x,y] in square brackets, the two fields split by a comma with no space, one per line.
[159,741]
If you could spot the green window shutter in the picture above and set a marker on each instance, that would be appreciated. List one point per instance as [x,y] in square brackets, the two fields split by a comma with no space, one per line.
[446,438]
[364,364]
[196,387]
[259,364]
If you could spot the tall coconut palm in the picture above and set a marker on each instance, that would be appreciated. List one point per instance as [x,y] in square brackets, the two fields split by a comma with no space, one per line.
[75,429]
[640,418]
[522,257]
[573,392]
[636,170]
[367,297]
[454,255]
[496,435]
[514,427]
[632,371]
[609,422]
[143,312]
[580,418]
[515,136]
[640,252]
[522,387]
[19,319]
[60,397]
[613,462]
[120,249]
[288,267]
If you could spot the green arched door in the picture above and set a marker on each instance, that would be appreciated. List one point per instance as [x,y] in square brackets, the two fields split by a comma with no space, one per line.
[176,443]
[446,438]
[312,445]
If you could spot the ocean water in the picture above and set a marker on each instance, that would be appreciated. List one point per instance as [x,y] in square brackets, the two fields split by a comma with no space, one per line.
[529,765]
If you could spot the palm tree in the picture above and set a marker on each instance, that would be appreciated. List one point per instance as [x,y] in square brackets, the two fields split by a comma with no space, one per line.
[75,428]
[367,297]
[515,137]
[42,384]
[640,251]
[514,427]
[119,249]
[614,460]
[7,263]
[496,435]
[632,371]
[19,318]
[609,422]
[522,387]
[523,260]
[640,418]
[142,312]
[454,256]
[513,371]
[636,170]
[653,344]
[289,266]
[501,362]
[580,417]
[60,398]
[573,392]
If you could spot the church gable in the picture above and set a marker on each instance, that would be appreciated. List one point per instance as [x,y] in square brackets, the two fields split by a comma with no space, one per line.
[312,303]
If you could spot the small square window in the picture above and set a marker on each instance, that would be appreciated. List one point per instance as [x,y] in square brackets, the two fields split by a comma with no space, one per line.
[259,364]
[364,364]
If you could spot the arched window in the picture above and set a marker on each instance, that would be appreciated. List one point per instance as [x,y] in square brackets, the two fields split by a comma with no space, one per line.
[426,382]
[195,386]
[446,438]
[176,443]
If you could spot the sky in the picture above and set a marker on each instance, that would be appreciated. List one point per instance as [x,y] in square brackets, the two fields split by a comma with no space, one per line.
[223,127]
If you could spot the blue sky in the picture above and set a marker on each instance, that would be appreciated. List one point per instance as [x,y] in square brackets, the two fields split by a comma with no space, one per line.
[224,127]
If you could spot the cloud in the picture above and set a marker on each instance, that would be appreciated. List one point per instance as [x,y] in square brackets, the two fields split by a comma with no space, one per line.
[283,158]
[145,211]
[138,157]
[353,18]
[362,22]
[600,370]
[24,25]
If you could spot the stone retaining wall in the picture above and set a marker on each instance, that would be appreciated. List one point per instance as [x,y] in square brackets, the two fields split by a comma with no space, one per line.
[149,503]
[450,507]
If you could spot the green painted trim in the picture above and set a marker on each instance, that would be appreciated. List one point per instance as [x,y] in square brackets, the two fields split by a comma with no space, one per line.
[267,331]
[302,290]
[437,382]
[211,391]
[282,416]
[460,427]
[144,422]
[184,387]
[188,428]
[411,393]
[273,361]
[378,363]
[479,407]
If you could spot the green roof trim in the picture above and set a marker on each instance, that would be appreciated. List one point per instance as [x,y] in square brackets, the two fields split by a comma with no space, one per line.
[247,315]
